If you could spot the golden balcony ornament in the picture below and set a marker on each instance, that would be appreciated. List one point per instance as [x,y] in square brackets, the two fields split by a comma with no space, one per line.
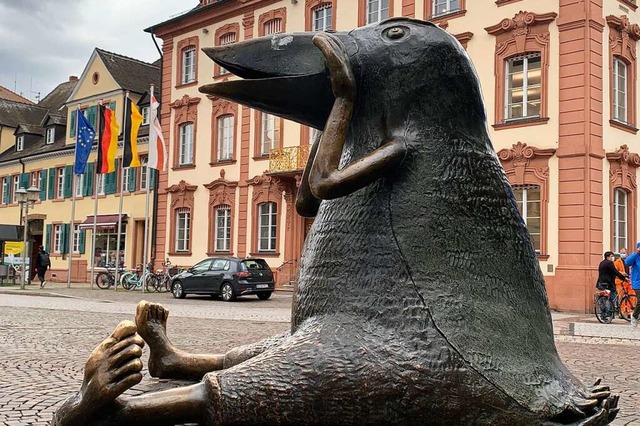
[288,159]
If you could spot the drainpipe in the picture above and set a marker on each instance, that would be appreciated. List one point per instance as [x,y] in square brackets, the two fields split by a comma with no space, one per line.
[21,205]
[154,222]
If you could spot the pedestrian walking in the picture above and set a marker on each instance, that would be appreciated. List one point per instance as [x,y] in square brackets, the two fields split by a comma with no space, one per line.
[622,285]
[633,262]
[607,274]
[42,264]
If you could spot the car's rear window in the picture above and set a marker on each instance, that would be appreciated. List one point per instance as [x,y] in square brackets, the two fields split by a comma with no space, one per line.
[255,264]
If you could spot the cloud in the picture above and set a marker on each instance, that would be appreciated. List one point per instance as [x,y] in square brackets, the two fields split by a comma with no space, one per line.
[44,42]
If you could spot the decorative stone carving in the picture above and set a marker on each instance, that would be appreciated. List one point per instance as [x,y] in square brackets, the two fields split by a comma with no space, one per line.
[182,195]
[520,155]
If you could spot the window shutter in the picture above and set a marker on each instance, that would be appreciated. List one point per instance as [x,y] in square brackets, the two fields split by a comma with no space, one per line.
[64,238]
[43,185]
[88,180]
[47,245]
[132,179]
[72,125]
[24,180]
[52,183]
[92,113]
[110,181]
[68,179]
[83,236]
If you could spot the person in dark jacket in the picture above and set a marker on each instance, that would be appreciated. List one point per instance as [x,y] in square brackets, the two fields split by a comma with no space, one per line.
[42,264]
[607,274]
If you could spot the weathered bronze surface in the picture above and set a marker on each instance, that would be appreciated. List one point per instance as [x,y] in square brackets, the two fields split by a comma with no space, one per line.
[420,298]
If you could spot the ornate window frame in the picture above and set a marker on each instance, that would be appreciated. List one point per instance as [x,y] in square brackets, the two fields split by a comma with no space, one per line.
[180,48]
[221,192]
[528,165]
[280,13]
[232,28]
[443,20]
[219,108]
[182,197]
[265,189]
[185,111]
[311,5]
[623,166]
[525,33]
[623,36]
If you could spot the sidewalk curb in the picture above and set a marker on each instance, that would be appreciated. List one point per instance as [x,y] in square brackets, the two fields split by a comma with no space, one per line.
[25,292]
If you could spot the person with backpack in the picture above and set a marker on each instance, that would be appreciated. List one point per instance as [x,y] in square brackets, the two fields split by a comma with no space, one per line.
[42,264]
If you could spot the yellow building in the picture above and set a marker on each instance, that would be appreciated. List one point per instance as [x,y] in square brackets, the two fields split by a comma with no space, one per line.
[559,80]
[40,152]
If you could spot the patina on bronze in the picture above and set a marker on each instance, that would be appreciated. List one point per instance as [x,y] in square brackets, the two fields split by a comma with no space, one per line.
[420,298]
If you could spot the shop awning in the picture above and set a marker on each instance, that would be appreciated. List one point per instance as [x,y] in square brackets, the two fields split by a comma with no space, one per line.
[103,221]
[11,232]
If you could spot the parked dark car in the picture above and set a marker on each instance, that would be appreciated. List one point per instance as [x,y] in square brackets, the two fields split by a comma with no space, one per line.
[227,276]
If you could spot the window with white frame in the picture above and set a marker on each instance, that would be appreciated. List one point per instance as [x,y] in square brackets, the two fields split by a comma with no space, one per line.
[225,39]
[189,65]
[619,90]
[267,226]
[57,238]
[50,135]
[35,179]
[76,238]
[185,154]
[20,143]
[144,111]
[125,181]
[377,10]
[183,225]
[620,233]
[444,7]
[100,181]
[225,137]
[60,182]
[78,183]
[143,173]
[273,26]
[523,87]
[16,186]
[270,133]
[223,228]
[528,200]
[322,17]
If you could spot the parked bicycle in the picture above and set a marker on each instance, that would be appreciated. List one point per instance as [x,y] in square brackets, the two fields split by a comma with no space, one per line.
[106,279]
[606,309]
[136,278]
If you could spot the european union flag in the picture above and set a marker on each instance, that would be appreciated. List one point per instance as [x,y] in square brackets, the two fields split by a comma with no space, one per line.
[84,142]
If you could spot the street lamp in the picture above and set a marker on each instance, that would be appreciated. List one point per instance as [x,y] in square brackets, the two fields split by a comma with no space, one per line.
[26,198]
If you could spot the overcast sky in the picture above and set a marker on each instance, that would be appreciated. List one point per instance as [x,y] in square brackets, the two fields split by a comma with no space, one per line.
[43,42]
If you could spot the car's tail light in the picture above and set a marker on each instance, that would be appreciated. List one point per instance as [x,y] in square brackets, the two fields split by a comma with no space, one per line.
[244,274]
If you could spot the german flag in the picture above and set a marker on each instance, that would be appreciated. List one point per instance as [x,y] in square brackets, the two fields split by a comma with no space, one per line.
[108,141]
[131,125]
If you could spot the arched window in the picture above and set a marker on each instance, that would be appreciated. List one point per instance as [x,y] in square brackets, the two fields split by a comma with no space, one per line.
[188,64]
[183,230]
[185,150]
[222,231]
[620,90]
[224,142]
[272,26]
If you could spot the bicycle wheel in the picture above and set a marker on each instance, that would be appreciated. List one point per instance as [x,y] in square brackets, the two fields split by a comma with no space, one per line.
[104,280]
[150,283]
[128,281]
[627,305]
[604,309]
[165,284]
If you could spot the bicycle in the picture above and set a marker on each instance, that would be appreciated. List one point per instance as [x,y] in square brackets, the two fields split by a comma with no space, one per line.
[606,309]
[105,280]
[132,279]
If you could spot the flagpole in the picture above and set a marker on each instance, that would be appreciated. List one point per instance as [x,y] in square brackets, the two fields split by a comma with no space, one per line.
[73,198]
[145,252]
[124,135]
[95,208]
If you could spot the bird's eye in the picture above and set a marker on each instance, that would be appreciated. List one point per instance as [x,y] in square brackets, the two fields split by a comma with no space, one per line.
[395,33]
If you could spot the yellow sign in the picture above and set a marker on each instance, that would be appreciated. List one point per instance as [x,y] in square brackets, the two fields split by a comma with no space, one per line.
[13,248]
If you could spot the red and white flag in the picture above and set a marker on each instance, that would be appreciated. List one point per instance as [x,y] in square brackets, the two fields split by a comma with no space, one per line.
[157,147]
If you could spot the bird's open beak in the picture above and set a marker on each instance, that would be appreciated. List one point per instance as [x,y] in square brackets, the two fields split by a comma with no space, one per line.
[283,74]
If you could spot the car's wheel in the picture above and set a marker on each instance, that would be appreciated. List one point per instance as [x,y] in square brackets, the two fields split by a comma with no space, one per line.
[227,292]
[264,296]
[177,290]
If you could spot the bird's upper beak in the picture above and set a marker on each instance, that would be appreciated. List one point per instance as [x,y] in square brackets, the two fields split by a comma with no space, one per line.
[283,74]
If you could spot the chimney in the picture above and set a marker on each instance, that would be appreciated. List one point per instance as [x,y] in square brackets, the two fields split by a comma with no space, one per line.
[73,78]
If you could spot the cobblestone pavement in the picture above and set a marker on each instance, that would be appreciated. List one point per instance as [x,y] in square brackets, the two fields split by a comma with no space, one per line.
[44,342]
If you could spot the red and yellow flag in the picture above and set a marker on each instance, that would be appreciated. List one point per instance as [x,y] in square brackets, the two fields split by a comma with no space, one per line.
[108,141]
[132,123]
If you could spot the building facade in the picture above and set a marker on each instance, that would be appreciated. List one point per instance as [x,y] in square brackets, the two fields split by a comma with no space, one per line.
[40,152]
[559,82]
